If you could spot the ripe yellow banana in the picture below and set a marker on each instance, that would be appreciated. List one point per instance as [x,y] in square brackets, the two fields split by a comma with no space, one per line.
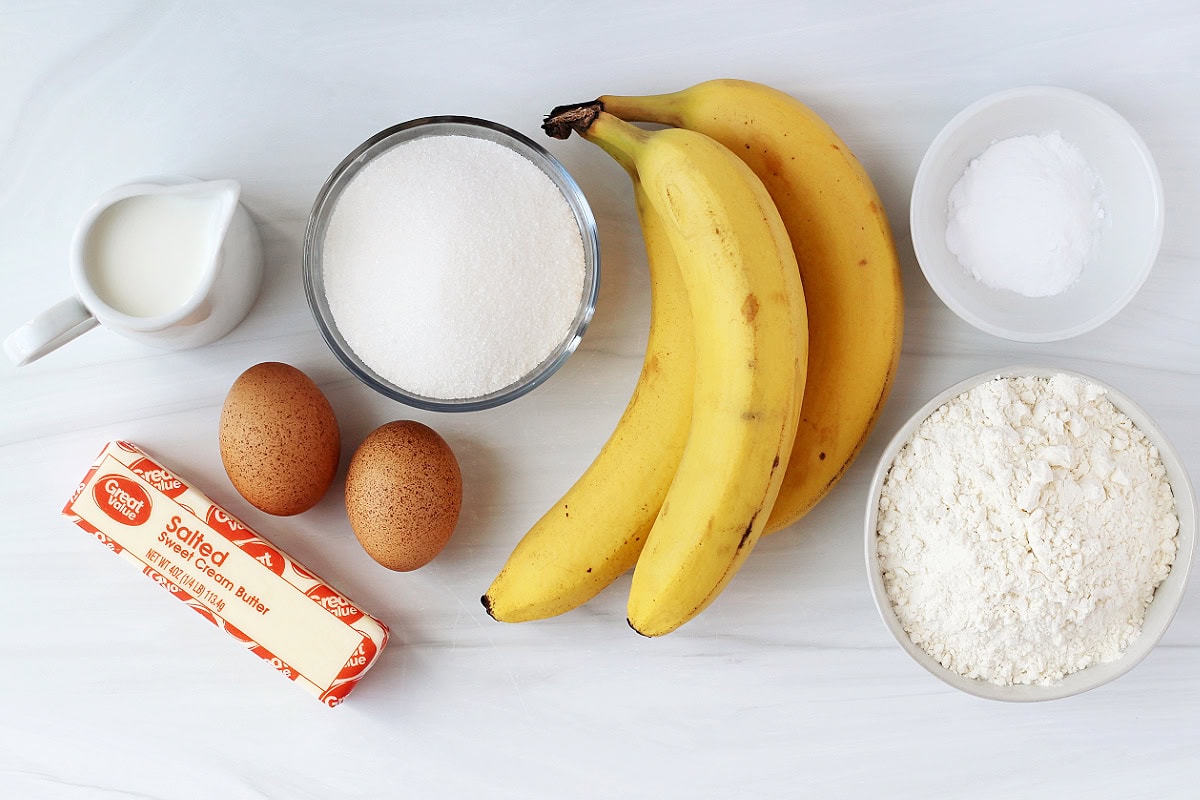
[847,261]
[596,531]
[750,333]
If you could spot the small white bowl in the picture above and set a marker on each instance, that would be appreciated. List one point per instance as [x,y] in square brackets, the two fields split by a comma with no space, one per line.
[1125,251]
[1166,597]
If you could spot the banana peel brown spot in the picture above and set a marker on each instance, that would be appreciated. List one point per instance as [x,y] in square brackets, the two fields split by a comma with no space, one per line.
[749,529]
[772,162]
[750,307]
[670,191]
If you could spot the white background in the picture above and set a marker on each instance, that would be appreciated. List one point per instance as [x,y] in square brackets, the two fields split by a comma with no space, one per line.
[789,685]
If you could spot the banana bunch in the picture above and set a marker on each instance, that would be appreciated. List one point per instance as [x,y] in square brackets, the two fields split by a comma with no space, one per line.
[776,321]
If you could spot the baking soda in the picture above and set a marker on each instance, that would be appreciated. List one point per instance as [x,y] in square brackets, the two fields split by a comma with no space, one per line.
[1026,214]
[453,266]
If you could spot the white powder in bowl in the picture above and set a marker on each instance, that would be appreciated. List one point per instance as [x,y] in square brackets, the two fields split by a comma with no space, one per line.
[1026,214]
[1023,529]
[453,266]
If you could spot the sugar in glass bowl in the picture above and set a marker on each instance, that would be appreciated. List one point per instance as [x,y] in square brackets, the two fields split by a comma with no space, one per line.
[1159,613]
[1125,250]
[315,258]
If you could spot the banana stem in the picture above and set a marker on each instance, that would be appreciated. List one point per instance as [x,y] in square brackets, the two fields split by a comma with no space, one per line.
[616,137]
[561,120]
[662,109]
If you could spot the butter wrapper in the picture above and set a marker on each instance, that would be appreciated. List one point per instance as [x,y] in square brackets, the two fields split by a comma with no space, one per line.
[279,610]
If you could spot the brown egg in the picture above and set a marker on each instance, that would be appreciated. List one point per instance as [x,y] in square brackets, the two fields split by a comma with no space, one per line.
[279,439]
[403,494]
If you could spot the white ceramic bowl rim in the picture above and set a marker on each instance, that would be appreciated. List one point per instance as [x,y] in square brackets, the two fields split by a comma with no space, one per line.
[1166,599]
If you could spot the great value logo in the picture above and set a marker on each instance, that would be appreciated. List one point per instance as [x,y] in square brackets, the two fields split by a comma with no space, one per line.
[227,525]
[264,554]
[158,477]
[360,661]
[122,500]
[334,603]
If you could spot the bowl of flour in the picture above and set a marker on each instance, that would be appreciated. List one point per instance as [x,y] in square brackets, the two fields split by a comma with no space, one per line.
[1037,213]
[1029,534]
[451,263]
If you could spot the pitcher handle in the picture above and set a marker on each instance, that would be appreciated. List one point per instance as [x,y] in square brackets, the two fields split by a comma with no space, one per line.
[49,331]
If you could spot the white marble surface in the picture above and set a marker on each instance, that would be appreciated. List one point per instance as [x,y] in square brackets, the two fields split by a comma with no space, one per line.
[789,685]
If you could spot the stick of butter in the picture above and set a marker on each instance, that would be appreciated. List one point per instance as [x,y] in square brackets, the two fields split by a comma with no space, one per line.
[308,631]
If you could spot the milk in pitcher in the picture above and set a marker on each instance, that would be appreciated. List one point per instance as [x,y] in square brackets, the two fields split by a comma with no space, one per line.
[170,262]
[147,255]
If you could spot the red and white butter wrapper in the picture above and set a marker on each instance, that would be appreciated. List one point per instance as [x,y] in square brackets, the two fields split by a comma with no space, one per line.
[309,632]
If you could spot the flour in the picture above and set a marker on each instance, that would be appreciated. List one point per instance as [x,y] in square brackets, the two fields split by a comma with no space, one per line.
[1023,529]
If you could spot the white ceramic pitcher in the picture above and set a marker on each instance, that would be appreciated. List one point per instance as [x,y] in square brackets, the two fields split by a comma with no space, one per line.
[192,300]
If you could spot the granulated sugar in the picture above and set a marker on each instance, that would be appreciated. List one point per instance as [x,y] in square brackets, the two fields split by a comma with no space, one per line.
[1023,529]
[1026,214]
[452,266]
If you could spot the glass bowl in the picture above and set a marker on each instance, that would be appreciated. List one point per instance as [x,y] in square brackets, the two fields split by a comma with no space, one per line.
[314,286]
[1159,613]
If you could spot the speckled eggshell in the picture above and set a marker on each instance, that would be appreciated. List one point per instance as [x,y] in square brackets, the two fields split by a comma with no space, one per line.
[279,439]
[403,494]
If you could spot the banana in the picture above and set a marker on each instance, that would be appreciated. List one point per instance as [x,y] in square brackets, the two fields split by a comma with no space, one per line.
[596,531]
[846,255]
[750,334]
